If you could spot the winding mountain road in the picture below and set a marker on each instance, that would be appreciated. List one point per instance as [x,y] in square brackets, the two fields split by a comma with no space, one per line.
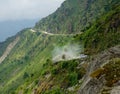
[12,44]
[52,34]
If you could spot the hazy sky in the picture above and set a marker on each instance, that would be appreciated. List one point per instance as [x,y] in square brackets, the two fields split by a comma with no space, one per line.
[27,9]
[16,15]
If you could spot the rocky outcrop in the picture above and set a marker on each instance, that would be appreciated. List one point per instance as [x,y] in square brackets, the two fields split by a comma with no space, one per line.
[115,90]
[8,49]
[94,85]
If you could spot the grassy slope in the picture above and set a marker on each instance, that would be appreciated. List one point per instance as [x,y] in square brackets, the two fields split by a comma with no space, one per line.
[27,57]
[100,36]
[54,76]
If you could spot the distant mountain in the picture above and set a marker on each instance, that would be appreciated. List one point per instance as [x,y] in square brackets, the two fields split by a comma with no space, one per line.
[10,28]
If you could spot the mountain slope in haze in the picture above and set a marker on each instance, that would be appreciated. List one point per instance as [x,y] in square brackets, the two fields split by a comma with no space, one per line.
[10,28]
[75,15]
[29,67]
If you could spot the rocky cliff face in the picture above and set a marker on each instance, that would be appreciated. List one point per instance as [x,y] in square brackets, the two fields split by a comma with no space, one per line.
[99,79]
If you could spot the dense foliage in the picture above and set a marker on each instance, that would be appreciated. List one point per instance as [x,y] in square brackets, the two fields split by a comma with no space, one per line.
[29,68]
[103,34]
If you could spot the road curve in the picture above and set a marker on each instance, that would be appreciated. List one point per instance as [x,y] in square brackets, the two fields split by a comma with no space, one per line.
[52,34]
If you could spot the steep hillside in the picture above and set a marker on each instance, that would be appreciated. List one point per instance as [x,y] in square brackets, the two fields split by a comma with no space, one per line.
[4,44]
[103,73]
[8,49]
[65,77]
[103,69]
[75,15]
[24,63]
[103,34]
[41,63]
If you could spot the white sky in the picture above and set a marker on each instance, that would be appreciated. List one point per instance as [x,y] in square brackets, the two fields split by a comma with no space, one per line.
[27,9]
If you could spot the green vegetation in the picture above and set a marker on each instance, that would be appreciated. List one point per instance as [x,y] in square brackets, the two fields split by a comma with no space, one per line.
[25,61]
[54,91]
[63,75]
[3,45]
[112,71]
[105,33]
[29,67]
[75,15]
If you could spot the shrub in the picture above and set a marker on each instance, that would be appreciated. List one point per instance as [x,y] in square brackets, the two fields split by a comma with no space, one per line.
[64,65]
[25,75]
[70,65]
[36,82]
[72,79]
[54,71]
[81,72]
[112,72]
[54,91]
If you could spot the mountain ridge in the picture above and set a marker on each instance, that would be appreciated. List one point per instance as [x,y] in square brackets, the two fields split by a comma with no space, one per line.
[29,68]
[84,14]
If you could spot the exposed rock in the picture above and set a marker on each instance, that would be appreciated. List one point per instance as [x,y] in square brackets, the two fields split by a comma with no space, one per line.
[8,49]
[94,86]
[47,76]
[71,88]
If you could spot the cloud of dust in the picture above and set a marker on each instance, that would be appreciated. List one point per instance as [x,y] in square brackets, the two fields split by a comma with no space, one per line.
[67,52]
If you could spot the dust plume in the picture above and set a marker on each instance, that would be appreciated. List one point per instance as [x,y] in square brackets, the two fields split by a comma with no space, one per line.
[67,52]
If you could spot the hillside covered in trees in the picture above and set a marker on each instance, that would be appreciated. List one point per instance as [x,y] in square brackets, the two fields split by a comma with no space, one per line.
[68,52]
